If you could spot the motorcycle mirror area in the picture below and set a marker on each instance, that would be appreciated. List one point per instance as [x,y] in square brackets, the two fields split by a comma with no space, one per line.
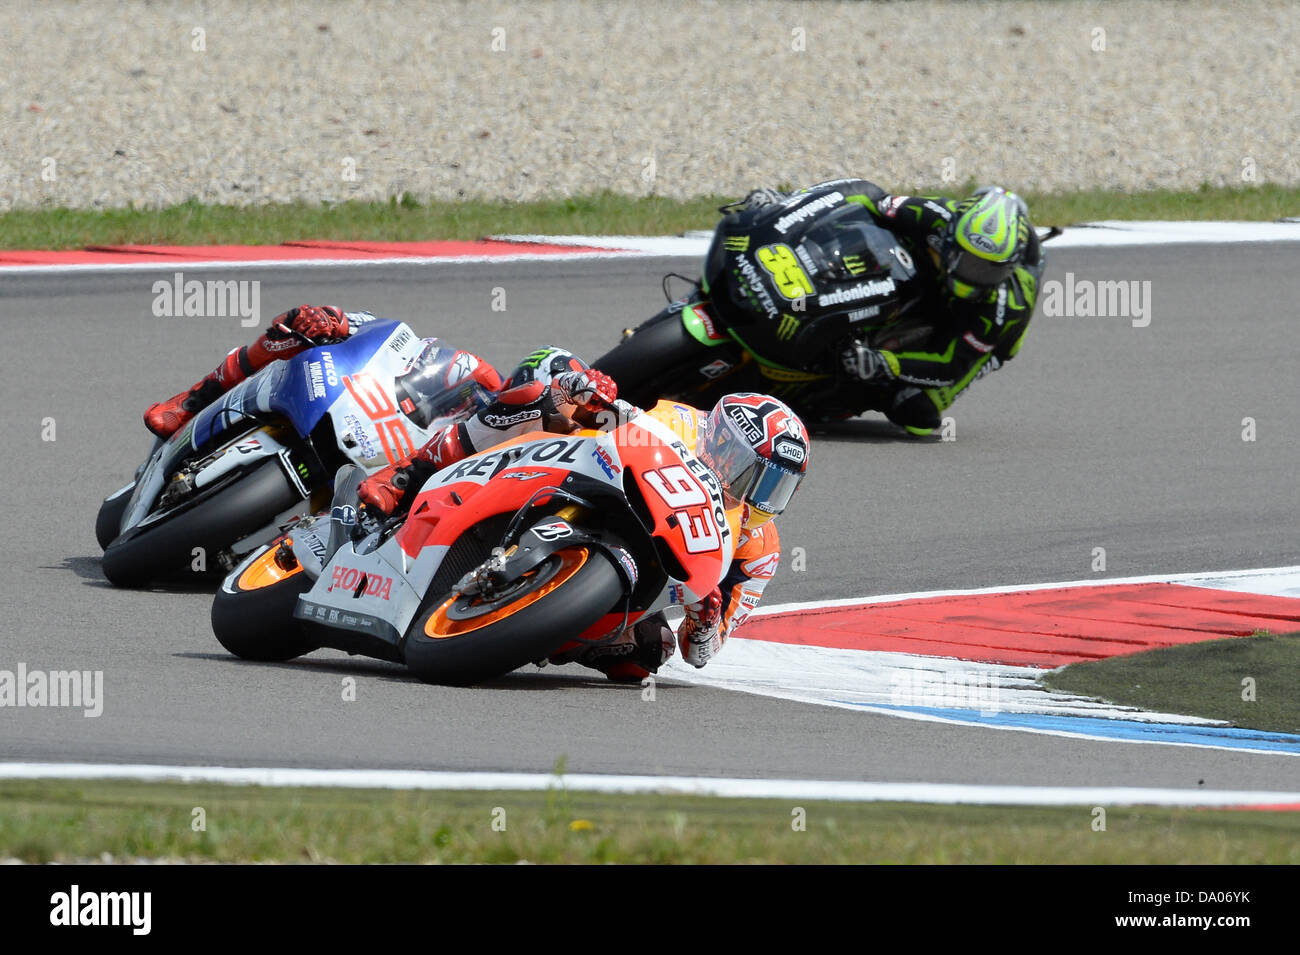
[345,515]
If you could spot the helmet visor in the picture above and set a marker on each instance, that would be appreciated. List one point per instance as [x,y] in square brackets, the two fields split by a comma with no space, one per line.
[967,268]
[440,388]
[748,476]
[767,486]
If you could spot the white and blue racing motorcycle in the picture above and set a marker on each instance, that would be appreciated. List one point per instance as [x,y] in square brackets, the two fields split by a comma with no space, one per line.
[265,454]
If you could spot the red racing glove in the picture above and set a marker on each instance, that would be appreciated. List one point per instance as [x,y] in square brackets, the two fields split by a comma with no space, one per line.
[591,389]
[383,491]
[313,321]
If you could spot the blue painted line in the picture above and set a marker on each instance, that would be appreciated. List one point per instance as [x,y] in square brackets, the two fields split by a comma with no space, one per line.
[1129,730]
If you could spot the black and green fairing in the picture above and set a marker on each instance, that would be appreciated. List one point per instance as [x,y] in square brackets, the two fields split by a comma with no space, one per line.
[793,280]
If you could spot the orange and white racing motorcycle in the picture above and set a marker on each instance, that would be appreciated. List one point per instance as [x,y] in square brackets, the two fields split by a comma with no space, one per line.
[532,547]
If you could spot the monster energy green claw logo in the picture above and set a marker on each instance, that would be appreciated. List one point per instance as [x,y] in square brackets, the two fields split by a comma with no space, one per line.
[736,243]
[536,358]
[854,264]
[789,325]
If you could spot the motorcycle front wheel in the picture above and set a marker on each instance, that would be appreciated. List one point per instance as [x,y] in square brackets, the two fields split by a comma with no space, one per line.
[461,640]
[211,522]
[252,614]
[660,359]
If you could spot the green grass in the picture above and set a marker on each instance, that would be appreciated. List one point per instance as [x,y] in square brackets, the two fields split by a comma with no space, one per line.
[1201,679]
[405,219]
[43,821]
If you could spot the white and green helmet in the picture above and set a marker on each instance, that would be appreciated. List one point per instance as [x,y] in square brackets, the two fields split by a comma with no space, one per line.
[986,240]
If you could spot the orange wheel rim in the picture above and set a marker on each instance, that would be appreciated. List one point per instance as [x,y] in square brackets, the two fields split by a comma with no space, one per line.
[439,626]
[265,572]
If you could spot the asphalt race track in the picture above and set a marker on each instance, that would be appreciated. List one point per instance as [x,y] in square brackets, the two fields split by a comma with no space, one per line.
[1100,434]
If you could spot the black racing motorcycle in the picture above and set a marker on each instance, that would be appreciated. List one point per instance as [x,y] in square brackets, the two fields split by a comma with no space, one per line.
[784,287]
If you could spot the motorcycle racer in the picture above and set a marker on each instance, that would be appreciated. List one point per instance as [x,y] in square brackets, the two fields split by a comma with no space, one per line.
[983,261]
[755,444]
[299,328]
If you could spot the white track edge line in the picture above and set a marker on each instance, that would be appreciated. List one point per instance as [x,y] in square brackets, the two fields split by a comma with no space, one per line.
[846,790]
[1080,734]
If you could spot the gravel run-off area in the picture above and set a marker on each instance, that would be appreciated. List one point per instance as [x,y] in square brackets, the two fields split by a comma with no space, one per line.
[105,104]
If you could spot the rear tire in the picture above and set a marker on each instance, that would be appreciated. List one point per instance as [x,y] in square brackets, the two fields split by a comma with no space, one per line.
[534,631]
[213,523]
[658,360]
[258,623]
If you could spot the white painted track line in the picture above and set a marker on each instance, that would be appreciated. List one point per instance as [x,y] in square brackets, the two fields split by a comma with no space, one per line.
[792,789]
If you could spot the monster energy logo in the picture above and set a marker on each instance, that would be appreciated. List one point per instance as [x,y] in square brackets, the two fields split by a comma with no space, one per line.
[854,264]
[789,325]
[536,358]
[736,243]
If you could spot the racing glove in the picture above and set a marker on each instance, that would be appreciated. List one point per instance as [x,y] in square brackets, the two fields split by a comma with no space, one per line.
[384,490]
[700,635]
[313,321]
[758,198]
[867,364]
[591,389]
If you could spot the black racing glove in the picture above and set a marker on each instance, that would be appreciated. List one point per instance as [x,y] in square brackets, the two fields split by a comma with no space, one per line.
[759,198]
[866,364]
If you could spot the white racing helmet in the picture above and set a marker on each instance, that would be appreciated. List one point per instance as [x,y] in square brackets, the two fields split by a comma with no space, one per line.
[758,448]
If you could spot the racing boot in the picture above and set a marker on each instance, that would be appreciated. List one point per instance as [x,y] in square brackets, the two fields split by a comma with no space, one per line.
[167,417]
[631,656]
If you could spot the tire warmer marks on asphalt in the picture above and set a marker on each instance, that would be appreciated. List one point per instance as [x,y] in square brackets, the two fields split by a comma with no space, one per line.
[976,657]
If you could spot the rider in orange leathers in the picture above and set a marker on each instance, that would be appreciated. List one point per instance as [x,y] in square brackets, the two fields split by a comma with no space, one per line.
[755,444]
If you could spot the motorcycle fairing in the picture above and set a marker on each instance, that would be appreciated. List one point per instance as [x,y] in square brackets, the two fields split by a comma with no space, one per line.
[764,319]
[685,498]
[407,563]
[302,389]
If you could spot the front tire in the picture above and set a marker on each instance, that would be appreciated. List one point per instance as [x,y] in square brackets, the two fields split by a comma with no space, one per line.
[108,523]
[252,614]
[228,513]
[461,640]
[658,360]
